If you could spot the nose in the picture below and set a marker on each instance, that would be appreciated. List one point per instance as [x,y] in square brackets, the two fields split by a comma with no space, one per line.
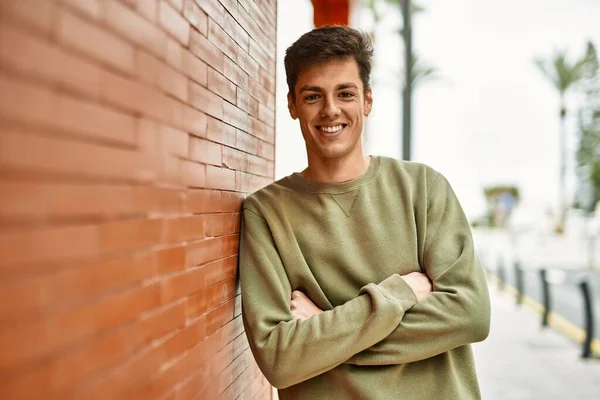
[330,109]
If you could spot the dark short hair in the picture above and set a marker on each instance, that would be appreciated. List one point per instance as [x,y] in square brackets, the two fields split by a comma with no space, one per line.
[325,44]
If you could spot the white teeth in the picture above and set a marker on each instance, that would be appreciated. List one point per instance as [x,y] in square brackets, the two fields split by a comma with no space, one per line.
[331,129]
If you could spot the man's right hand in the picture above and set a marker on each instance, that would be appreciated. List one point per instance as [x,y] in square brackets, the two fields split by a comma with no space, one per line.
[419,283]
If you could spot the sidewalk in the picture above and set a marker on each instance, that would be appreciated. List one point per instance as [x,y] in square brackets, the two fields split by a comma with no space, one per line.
[522,361]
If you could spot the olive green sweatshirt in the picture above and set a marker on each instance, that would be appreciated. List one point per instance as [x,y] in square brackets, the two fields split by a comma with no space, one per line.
[345,246]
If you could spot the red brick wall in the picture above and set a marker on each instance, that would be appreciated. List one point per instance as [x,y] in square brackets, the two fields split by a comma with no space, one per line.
[130,132]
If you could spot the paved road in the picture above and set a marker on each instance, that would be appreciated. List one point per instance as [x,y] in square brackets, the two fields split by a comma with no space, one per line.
[522,361]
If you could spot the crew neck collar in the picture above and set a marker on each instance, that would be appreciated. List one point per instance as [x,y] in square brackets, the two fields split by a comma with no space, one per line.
[298,182]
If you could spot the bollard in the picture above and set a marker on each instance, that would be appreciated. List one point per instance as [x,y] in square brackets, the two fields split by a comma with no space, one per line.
[545,296]
[588,317]
[501,274]
[519,282]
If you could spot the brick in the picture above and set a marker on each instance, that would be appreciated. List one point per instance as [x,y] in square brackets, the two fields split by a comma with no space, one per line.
[247,103]
[163,200]
[195,279]
[235,74]
[249,183]
[148,135]
[26,102]
[235,30]
[90,119]
[134,369]
[90,8]
[39,15]
[258,14]
[174,55]
[174,23]
[195,385]
[266,114]
[44,155]
[246,142]
[195,16]
[153,71]
[206,101]
[50,200]
[248,64]
[219,317]
[222,40]
[258,166]
[261,130]
[266,80]
[25,247]
[32,339]
[213,9]
[205,151]
[261,57]
[129,234]
[195,68]
[135,27]
[148,9]
[235,116]
[210,298]
[95,42]
[266,150]
[97,355]
[203,201]
[205,50]
[31,104]
[231,201]
[222,86]
[194,121]
[30,55]
[235,159]
[173,171]
[177,4]
[220,178]
[37,296]
[259,92]
[132,96]
[182,229]
[222,224]
[193,174]
[220,132]
[174,141]
[212,249]
[171,259]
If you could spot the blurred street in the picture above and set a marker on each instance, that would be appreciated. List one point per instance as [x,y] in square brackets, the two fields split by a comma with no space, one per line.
[522,361]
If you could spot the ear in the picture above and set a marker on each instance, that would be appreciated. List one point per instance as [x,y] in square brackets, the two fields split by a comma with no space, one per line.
[368,102]
[292,106]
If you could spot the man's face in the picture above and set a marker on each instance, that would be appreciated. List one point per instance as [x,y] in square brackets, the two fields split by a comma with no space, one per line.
[331,104]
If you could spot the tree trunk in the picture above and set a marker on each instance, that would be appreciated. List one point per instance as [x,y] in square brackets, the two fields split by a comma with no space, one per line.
[562,210]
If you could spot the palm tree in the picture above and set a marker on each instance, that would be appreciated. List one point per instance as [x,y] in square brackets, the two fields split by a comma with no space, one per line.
[563,75]
[421,72]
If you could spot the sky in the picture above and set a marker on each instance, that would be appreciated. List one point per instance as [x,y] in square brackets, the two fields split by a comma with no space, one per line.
[489,117]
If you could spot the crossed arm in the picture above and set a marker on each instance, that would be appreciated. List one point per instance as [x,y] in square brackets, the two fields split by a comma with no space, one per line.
[399,320]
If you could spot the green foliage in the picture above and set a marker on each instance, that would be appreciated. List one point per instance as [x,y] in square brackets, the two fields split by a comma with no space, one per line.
[501,201]
[494,191]
[588,152]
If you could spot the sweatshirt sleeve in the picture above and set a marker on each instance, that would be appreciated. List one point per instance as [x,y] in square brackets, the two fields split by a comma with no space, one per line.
[289,351]
[457,312]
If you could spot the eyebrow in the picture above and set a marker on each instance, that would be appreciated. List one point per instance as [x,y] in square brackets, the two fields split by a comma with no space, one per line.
[341,86]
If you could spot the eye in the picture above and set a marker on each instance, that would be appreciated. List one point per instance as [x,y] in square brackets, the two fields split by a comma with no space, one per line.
[346,95]
[312,97]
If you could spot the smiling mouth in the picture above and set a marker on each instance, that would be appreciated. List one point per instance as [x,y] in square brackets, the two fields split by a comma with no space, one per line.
[331,129]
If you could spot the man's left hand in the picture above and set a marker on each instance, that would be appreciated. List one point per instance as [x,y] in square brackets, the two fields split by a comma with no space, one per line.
[302,307]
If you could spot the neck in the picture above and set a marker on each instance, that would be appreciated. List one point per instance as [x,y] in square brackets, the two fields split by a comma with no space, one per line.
[336,170]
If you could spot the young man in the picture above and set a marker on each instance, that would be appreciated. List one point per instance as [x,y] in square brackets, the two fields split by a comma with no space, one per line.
[359,277]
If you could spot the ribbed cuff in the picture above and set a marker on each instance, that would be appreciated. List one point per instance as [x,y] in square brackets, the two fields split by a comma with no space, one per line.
[396,289]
